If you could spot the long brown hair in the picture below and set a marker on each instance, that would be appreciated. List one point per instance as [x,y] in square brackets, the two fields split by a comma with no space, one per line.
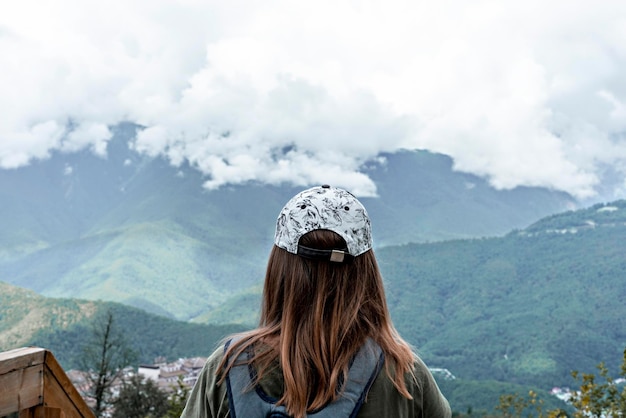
[315,315]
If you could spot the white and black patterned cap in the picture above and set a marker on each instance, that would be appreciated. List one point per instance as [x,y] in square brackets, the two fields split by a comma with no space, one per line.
[324,207]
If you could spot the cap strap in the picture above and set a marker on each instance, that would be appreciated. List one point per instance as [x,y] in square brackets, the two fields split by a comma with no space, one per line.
[336,256]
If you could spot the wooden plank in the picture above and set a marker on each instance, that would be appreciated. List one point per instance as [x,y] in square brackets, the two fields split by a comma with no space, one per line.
[21,389]
[27,413]
[59,392]
[47,412]
[33,383]
[20,358]
[42,412]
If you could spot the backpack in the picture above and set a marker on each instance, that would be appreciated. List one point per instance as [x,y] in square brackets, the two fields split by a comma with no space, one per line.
[249,401]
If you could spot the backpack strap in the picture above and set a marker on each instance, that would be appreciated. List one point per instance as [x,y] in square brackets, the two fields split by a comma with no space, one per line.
[247,400]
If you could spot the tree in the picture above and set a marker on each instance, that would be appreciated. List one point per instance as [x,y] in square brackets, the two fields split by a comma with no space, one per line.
[600,399]
[592,400]
[140,398]
[105,355]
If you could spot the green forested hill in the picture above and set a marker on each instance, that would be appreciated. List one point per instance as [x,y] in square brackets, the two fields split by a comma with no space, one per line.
[528,307]
[63,325]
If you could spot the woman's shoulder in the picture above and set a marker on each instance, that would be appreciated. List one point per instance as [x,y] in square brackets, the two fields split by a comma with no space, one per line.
[384,399]
[215,359]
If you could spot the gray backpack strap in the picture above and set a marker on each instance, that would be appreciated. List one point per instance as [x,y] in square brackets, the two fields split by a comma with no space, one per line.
[365,367]
[249,401]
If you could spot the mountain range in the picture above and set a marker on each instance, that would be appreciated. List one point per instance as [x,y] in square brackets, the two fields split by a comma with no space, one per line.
[500,287]
[502,314]
[135,229]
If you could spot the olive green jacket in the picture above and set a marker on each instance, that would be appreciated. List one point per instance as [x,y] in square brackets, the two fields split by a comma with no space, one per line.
[209,398]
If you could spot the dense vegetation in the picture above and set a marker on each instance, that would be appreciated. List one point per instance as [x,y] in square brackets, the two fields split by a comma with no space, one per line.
[525,308]
[480,397]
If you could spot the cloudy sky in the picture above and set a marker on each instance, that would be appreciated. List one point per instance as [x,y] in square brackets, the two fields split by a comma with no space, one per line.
[522,92]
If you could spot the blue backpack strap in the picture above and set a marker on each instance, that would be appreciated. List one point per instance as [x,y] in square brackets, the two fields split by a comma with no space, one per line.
[249,401]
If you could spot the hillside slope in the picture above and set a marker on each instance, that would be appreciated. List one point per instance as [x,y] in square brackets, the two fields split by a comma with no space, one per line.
[527,308]
[64,325]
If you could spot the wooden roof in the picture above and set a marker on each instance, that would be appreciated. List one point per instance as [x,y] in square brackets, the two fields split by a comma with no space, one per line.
[33,383]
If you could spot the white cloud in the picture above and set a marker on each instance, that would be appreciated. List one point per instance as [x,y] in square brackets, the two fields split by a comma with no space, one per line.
[19,147]
[521,92]
[87,134]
